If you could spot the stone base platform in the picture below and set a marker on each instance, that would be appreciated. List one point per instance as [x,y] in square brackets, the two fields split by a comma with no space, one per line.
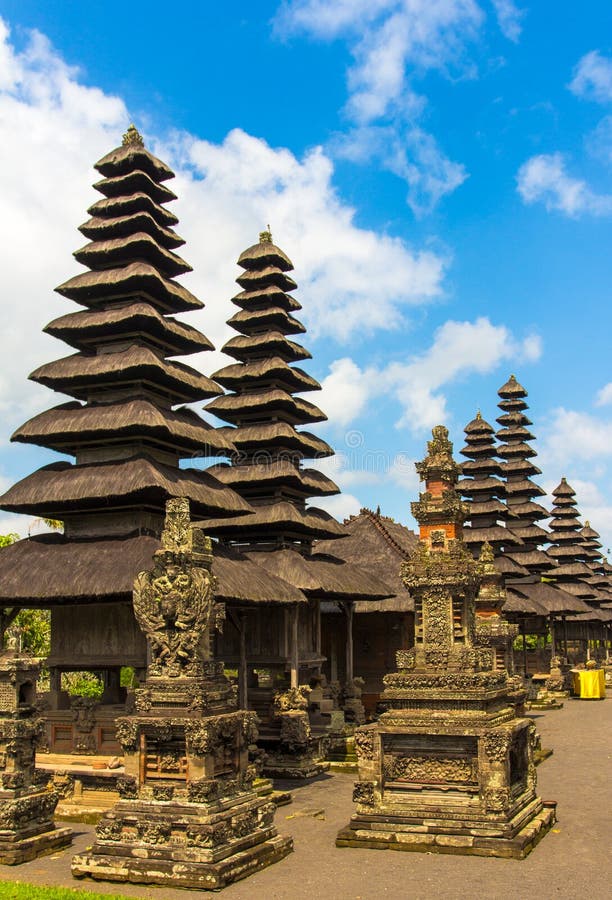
[203,845]
[185,873]
[381,835]
[15,850]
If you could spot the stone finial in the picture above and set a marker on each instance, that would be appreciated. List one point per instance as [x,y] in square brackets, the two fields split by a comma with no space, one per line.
[132,137]
[265,237]
[486,553]
[479,415]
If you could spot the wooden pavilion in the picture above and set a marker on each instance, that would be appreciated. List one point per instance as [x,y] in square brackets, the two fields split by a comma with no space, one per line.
[363,636]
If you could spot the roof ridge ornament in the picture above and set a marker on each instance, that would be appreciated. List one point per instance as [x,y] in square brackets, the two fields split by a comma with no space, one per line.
[132,137]
[265,237]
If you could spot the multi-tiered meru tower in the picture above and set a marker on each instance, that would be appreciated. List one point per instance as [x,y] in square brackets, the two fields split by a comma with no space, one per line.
[518,470]
[126,426]
[448,768]
[568,548]
[265,415]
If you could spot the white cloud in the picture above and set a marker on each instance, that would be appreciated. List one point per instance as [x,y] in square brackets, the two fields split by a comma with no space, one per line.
[509,18]
[52,128]
[458,350]
[544,178]
[593,77]
[345,392]
[341,506]
[573,436]
[352,279]
[410,153]
[393,44]
[599,141]
[604,396]
[404,474]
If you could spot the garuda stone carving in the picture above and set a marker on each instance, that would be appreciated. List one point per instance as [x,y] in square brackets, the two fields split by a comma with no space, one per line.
[174,602]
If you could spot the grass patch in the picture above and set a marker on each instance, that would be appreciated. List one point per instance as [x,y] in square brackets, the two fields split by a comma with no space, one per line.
[16,890]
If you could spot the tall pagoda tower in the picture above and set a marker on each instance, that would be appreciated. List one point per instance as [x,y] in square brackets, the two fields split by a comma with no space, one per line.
[518,470]
[267,421]
[126,425]
[265,416]
[568,547]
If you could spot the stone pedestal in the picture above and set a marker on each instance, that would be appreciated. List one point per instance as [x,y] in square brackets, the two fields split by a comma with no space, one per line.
[300,752]
[189,815]
[27,828]
[454,774]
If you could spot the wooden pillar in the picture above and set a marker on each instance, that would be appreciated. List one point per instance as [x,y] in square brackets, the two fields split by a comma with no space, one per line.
[349,611]
[295,647]
[333,663]
[243,680]
[318,644]
[524,647]
[564,621]
[552,638]
[7,616]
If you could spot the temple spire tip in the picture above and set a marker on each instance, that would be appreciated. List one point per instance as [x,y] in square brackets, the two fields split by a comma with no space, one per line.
[132,137]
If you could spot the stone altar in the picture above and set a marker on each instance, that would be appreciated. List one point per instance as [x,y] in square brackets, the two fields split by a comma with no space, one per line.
[448,767]
[27,829]
[188,814]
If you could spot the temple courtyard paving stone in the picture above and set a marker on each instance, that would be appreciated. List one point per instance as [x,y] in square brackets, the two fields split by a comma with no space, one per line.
[573,861]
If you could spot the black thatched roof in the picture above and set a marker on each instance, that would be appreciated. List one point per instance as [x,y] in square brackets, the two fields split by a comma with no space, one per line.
[323,575]
[295,410]
[71,426]
[137,279]
[79,375]
[246,321]
[280,518]
[263,412]
[381,545]
[309,482]
[48,569]
[86,328]
[61,489]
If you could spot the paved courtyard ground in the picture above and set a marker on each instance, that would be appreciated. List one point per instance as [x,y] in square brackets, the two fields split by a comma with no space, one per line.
[573,862]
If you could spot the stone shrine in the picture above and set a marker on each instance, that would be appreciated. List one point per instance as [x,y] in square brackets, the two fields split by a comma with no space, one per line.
[27,829]
[188,814]
[448,767]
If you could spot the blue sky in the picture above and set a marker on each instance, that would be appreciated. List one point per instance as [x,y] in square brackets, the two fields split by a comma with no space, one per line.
[438,170]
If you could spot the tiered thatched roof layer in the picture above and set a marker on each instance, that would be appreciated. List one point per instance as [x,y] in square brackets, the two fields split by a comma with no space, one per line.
[600,577]
[49,569]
